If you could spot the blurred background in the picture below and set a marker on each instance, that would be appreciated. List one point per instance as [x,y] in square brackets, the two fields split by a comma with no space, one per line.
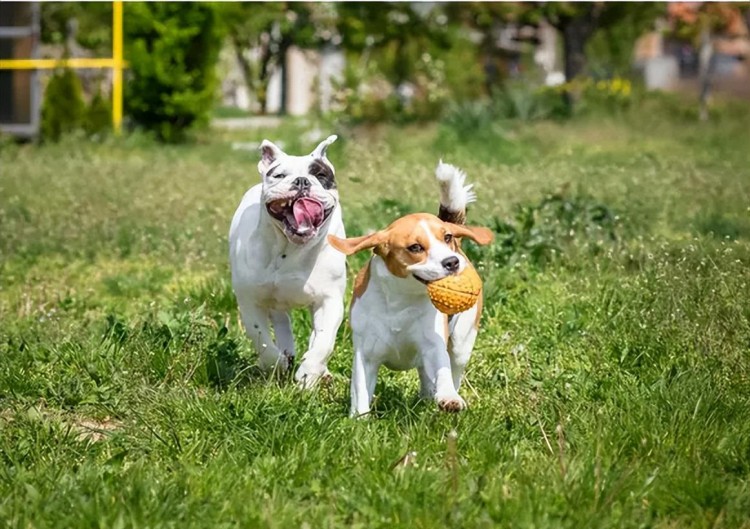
[241,64]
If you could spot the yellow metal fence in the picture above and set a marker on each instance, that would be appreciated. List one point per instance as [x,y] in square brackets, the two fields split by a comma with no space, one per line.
[115,63]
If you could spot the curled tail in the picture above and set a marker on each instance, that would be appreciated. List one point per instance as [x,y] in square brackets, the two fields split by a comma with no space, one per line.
[454,195]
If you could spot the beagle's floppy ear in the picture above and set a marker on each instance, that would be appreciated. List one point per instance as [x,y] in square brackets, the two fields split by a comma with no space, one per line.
[355,244]
[477,234]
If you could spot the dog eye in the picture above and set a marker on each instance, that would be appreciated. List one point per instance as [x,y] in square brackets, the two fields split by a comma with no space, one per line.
[278,175]
[448,238]
[415,248]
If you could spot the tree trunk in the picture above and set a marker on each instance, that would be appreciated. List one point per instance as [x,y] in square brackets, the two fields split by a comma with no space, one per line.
[263,78]
[708,60]
[245,67]
[284,63]
[576,34]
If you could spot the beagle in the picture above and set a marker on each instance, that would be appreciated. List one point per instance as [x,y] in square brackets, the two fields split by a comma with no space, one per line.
[392,319]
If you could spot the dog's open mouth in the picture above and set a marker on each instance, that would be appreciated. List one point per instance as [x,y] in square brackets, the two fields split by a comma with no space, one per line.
[302,216]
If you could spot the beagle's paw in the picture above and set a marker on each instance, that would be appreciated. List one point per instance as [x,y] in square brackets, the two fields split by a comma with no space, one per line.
[450,403]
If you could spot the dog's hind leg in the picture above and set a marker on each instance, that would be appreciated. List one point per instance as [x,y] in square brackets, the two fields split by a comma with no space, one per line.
[256,322]
[426,384]
[282,328]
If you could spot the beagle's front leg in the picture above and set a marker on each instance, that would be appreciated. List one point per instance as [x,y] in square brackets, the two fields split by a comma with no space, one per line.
[436,374]
[364,378]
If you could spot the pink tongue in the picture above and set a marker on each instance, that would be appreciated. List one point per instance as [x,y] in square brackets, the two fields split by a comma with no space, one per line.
[308,212]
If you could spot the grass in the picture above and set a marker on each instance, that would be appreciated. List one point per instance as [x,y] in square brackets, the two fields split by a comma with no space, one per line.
[610,384]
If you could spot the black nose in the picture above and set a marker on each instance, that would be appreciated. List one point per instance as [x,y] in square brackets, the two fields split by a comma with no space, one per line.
[301,183]
[450,263]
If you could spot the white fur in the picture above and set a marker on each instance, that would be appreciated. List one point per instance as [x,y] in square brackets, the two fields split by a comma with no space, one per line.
[395,324]
[432,268]
[454,195]
[273,272]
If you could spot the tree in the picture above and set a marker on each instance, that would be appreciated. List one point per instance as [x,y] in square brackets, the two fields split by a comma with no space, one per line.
[63,109]
[172,49]
[269,30]
[93,21]
[402,30]
[713,27]
[577,22]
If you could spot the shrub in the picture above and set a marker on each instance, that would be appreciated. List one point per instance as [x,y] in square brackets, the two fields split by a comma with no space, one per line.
[98,117]
[172,51]
[63,108]
[591,95]
[557,225]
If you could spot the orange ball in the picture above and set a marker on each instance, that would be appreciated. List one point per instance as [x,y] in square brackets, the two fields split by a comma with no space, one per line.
[456,293]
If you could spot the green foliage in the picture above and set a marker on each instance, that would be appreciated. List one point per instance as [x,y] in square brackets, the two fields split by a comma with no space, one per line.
[63,108]
[397,30]
[525,101]
[610,49]
[463,78]
[557,226]
[404,64]
[172,50]
[98,117]
[270,28]
[365,95]
[603,96]
[91,21]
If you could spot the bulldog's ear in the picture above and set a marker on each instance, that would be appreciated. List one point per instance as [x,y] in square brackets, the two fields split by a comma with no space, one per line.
[477,234]
[320,150]
[356,244]
[269,152]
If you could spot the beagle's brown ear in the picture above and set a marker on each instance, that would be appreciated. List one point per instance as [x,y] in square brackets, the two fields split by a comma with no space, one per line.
[477,234]
[355,244]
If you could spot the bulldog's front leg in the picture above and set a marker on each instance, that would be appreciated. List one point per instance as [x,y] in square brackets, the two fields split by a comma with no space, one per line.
[326,319]
[256,322]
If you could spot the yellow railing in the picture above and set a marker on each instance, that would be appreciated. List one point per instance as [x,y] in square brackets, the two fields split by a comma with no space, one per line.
[116,63]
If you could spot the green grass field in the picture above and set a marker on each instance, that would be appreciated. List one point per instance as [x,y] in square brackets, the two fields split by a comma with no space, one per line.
[610,384]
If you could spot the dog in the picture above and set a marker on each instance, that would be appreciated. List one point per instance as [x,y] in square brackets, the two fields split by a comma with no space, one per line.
[281,259]
[392,318]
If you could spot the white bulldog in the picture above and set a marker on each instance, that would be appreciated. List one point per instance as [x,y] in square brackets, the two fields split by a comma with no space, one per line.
[281,258]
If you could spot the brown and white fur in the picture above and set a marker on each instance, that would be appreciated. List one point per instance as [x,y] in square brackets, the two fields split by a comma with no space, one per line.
[392,319]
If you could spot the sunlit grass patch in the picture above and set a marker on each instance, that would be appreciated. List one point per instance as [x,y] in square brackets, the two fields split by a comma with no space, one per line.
[609,385]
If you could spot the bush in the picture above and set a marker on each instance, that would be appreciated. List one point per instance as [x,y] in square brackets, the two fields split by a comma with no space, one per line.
[63,108]
[172,51]
[98,117]
[557,225]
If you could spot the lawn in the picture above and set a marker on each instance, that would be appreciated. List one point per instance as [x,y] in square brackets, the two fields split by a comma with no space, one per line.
[610,384]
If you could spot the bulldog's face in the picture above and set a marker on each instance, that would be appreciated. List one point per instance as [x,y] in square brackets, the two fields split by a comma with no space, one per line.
[299,192]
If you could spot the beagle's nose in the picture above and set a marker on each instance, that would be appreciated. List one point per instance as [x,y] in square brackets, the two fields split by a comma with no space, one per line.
[301,183]
[450,263]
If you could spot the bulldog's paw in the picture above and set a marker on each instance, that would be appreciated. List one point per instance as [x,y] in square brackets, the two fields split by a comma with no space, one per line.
[275,361]
[450,403]
[308,375]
